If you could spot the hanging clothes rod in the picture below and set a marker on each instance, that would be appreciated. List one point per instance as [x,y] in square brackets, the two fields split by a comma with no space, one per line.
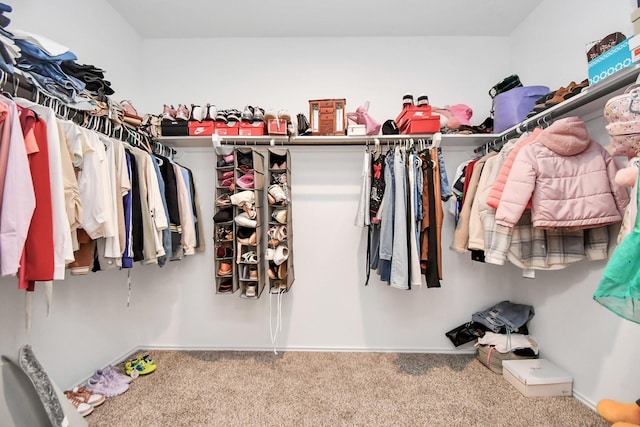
[323,140]
[607,87]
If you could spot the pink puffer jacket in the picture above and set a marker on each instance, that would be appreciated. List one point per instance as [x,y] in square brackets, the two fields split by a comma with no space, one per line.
[569,179]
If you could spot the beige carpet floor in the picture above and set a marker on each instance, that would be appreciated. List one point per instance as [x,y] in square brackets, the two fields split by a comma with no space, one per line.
[236,388]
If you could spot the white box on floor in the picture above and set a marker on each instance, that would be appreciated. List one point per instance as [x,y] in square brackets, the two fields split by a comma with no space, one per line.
[537,377]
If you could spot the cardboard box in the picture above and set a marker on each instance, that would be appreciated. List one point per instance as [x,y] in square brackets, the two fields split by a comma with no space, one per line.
[634,48]
[200,128]
[635,20]
[252,128]
[420,125]
[537,377]
[613,60]
[277,127]
[227,129]
[174,128]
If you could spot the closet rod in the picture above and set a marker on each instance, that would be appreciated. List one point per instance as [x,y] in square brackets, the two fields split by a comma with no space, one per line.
[319,140]
[606,87]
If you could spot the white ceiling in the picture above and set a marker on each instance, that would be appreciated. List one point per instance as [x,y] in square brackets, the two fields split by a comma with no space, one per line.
[321,18]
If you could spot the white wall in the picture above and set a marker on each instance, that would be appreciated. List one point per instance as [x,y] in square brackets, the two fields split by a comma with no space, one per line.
[90,324]
[595,346]
[287,72]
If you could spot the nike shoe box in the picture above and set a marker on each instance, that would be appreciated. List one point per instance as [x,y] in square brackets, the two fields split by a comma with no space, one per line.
[227,129]
[174,128]
[200,128]
[252,128]
[277,127]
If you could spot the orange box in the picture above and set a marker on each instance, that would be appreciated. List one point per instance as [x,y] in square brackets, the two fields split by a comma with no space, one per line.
[229,129]
[200,128]
[411,112]
[277,127]
[252,128]
[418,125]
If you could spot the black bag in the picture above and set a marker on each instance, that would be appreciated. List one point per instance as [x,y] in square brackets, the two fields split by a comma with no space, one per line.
[505,84]
[303,124]
[465,333]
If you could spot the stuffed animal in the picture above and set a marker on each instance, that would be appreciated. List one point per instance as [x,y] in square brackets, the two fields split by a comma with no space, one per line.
[627,177]
[620,414]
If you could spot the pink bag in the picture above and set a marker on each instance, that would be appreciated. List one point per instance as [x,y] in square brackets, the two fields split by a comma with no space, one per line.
[623,114]
[362,117]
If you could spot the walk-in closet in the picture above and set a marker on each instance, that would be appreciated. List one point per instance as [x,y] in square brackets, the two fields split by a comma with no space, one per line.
[292,277]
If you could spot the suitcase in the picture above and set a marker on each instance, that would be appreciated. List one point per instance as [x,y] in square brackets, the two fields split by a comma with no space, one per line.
[492,359]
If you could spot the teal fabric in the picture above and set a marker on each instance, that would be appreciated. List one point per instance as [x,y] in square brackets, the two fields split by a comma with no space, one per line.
[619,289]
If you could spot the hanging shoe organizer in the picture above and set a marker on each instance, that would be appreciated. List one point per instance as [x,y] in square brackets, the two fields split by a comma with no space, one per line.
[279,254]
[224,226]
[248,218]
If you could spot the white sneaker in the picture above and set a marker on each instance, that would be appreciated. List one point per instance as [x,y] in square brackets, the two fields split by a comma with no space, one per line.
[197,113]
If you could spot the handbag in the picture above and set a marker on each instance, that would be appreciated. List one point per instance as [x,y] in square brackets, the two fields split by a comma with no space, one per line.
[504,85]
[619,288]
[511,107]
[465,333]
[622,112]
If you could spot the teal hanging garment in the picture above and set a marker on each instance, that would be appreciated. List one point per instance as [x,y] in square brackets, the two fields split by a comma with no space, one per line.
[619,289]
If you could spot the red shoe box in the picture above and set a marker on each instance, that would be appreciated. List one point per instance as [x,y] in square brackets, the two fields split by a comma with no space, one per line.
[229,129]
[418,125]
[277,127]
[200,129]
[252,128]
[411,112]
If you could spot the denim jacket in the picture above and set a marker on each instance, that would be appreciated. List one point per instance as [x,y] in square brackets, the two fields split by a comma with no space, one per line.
[506,315]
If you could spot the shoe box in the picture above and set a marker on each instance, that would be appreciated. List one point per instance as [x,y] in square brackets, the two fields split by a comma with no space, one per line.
[197,128]
[252,128]
[611,61]
[174,128]
[356,129]
[328,116]
[634,47]
[537,377]
[421,125]
[228,129]
[417,119]
[277,127]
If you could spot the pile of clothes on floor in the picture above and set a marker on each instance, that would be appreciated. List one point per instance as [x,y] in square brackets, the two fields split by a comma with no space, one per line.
[500,333]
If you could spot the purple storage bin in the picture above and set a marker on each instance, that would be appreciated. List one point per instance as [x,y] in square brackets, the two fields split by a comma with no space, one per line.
[512,106]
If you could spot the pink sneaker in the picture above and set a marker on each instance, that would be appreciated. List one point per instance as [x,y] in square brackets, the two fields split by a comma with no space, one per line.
[108,388]
[182,113]
[168,112]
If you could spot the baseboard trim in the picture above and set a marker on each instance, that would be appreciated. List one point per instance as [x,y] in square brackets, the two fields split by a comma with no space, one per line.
[312,349]
[580,397]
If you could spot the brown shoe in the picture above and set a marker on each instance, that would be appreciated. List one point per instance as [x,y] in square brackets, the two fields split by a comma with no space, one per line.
[558,97]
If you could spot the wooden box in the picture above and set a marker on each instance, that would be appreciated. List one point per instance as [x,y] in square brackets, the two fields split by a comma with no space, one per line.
[327,117]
